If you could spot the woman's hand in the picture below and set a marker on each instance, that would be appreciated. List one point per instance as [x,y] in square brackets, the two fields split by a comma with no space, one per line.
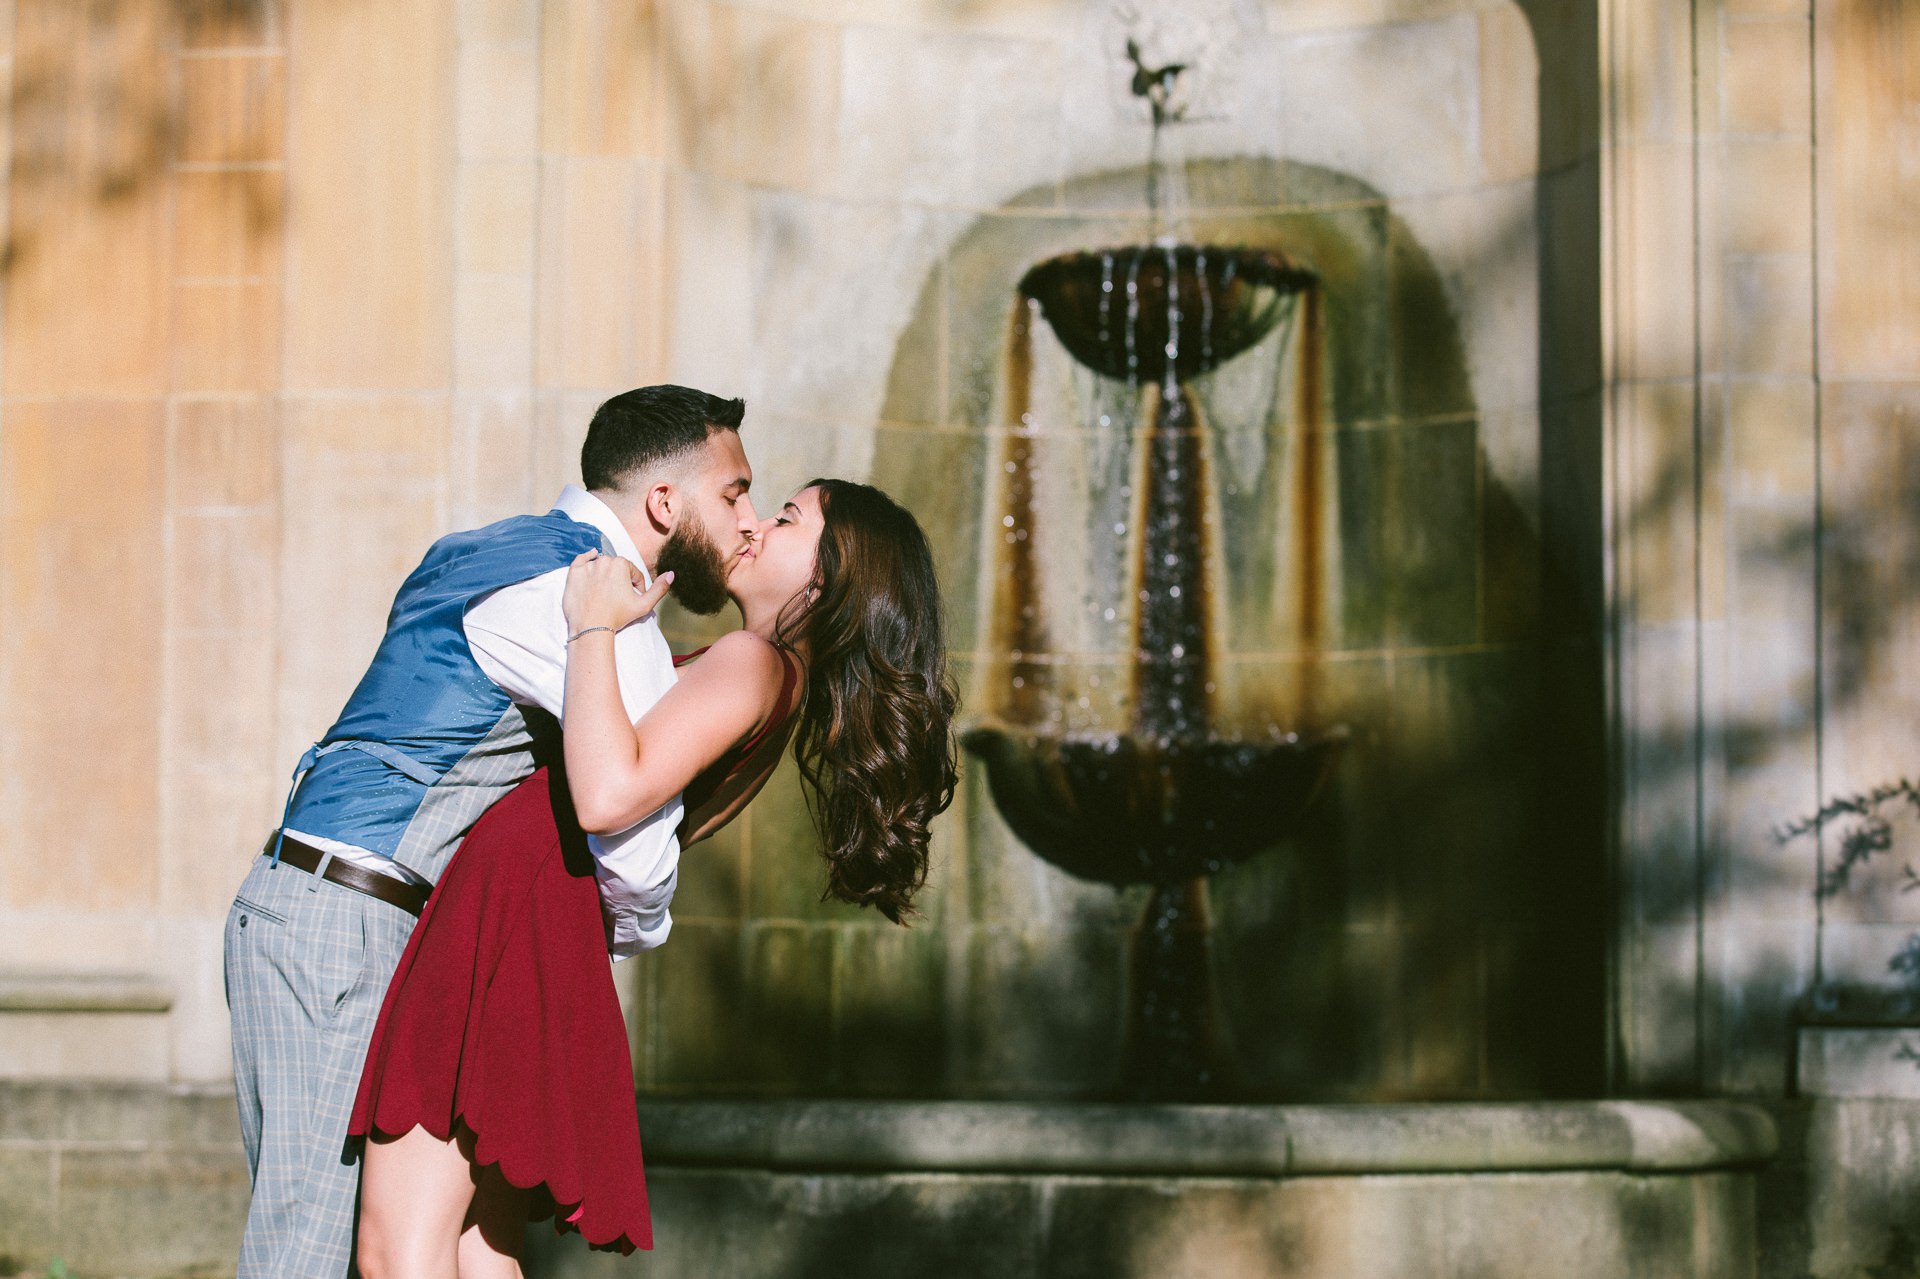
[605,590]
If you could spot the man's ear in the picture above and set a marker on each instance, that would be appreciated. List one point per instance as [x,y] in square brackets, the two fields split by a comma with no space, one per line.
[663,507]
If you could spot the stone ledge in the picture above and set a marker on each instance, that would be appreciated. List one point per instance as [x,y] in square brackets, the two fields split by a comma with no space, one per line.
[1863,1062]
[1848,1005]
[1207,1141]
[83,993]
[70,1112]
[148,1180]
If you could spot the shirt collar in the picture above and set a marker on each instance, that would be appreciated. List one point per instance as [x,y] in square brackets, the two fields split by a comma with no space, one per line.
[578,504]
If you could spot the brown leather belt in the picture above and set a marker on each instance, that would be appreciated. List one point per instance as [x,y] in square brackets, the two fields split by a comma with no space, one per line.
[386,888]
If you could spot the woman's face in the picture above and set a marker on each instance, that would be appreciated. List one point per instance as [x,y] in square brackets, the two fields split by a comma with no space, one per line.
[778,564]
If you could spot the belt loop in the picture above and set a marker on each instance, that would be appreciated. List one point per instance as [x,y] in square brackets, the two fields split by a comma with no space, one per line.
[320,871]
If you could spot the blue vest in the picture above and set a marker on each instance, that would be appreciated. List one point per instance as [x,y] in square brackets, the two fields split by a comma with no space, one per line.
[427,742]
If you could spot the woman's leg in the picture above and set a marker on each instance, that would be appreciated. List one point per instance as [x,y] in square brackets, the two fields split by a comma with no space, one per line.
[496,1228]
[415,1191]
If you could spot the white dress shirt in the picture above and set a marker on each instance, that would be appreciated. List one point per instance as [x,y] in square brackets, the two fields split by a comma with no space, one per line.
[518,636]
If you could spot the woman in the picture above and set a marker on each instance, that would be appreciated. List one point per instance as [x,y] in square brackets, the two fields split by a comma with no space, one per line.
[498,1088]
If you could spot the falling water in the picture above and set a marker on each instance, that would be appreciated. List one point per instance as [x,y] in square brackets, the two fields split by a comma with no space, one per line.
[1172,641]
[1131,334]
[1185,310]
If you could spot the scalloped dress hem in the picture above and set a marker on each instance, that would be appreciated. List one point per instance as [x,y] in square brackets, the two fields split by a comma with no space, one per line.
[502,1020]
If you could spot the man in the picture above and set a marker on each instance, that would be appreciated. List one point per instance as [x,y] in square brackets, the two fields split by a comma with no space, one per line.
[462,694]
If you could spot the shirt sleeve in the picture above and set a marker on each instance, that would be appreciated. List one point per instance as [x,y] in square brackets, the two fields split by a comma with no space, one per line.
[638,868]
[637,871]
[518,638]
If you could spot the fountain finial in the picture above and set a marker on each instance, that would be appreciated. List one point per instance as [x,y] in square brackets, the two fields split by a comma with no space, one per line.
[1155,84]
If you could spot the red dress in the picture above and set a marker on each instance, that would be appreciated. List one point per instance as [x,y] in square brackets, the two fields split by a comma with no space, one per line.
[502,1017]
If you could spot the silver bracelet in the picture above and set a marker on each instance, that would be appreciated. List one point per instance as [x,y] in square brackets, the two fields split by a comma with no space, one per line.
[588,631]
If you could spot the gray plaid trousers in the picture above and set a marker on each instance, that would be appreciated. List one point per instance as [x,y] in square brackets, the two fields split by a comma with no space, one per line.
[307,965]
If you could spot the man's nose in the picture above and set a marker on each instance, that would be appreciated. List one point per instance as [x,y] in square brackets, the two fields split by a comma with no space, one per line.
[747,522]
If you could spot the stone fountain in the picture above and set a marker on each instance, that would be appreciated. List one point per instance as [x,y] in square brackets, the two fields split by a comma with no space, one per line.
[1164,801]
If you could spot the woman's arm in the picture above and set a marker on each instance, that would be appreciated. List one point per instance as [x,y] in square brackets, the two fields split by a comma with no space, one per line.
[737,792]
[619,772]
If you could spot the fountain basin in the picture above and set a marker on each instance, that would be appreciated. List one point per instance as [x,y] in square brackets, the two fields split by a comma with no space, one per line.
[1145,312]
[1576,1190]
[1127,809]
[152,1182]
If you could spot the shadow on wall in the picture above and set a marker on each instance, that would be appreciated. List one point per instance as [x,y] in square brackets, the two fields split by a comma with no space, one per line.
[1844,859]
[767,990]
[94,113]
[1444,929]
[1857,850]
[1433,933]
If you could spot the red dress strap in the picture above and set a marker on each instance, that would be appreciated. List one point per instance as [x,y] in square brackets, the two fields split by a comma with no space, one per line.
[782,707]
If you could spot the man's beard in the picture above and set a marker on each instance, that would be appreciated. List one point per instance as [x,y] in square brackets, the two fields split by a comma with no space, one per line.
[699,569]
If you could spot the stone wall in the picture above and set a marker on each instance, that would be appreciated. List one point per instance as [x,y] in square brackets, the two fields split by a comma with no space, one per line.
[258,351]
[1761,312]
[141,1180]
[293,286]
[261,349]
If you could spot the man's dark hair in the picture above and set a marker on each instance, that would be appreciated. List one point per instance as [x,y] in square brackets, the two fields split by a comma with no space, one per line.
[640,429]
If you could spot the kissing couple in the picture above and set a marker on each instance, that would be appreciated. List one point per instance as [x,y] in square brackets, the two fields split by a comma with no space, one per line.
[428,1048]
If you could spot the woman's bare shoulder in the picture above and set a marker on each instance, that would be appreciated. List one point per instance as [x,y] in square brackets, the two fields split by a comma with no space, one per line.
[739,655]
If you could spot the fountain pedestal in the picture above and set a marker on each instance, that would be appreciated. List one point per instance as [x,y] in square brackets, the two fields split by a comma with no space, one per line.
[1174,1045]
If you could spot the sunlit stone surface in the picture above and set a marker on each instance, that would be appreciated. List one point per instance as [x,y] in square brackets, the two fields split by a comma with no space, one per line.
[1615,566]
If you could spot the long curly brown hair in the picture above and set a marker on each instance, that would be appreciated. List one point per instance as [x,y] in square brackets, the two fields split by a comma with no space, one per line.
[875,737]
